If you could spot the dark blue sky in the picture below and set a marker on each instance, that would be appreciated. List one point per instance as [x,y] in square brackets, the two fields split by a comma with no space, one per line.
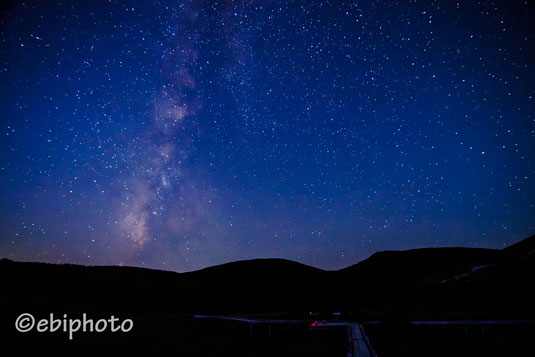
[178,135]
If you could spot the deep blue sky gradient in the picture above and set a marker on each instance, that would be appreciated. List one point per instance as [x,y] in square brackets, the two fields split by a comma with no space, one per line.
[178,135]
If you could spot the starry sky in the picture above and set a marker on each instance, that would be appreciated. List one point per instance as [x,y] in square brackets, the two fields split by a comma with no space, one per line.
[182,134]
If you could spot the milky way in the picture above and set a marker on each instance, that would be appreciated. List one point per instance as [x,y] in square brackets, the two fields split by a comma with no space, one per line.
[178,135]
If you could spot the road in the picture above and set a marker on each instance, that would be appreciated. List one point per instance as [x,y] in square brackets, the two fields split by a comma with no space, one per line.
[357,342]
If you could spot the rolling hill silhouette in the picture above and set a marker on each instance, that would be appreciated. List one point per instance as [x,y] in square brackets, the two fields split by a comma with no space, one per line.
[484,282]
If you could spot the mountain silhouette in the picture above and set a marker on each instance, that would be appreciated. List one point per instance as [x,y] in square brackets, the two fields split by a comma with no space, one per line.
[487,282]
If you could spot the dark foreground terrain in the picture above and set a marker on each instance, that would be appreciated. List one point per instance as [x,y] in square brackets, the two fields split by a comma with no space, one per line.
[389,293]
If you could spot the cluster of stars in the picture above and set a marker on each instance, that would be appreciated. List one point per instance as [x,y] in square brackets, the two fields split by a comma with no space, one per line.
[186,134]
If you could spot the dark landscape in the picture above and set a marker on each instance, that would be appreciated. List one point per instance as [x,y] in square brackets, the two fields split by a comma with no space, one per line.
[331,178]
[390,293]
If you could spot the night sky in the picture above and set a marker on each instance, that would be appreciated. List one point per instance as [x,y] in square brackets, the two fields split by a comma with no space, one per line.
[178,135]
